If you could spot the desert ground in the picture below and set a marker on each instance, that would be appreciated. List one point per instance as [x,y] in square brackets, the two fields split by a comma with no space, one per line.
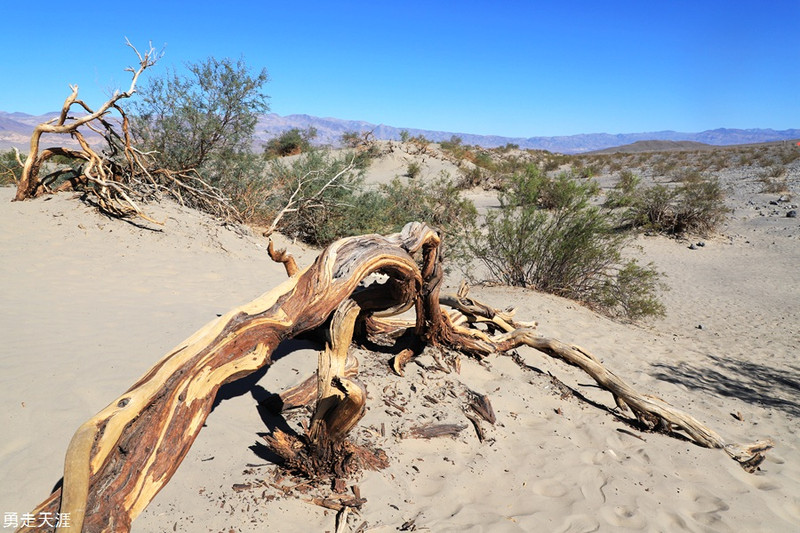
[90,303]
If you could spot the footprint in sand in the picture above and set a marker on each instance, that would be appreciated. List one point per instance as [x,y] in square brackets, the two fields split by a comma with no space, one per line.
[765,484]
[550,488]
[592,482]
[709,507]
[708,503]
[623,516]
[580,523]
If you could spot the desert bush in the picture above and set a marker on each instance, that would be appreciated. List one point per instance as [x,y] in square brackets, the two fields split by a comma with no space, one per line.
[571,250]
[632,291]
[624,192]
[453,144]
[693,207]
[471,176]
[774,171]
[437,202]
[687,175]
[585,171]
[404,135]
[746,158]
[508,147]
[324,209]
[614,165]
[209,114]
[240,179]
[313,195]
[773,185]
[413,170]
[351,139]
[290,142]
[788,154]
[10,169]
[701,207]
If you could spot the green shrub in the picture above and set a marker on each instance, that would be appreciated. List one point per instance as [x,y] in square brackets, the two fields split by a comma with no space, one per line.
[290,142]
[624,192]
[453,144]
[484,160]
[632,292]
[319,188]
[437,202]
[209,113]
[653,208]
[325,210]
[687,175]
[693,207]
[351,139]
[585,171]
[571,250]
[10,169]
[701,207]
[413,169]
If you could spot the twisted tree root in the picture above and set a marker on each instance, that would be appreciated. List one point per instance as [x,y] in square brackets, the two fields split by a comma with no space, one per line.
[119,459]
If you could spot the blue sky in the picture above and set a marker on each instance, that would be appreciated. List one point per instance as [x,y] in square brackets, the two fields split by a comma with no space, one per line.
[512,68]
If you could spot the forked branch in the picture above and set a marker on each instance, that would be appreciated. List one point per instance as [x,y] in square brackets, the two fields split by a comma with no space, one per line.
[120,458]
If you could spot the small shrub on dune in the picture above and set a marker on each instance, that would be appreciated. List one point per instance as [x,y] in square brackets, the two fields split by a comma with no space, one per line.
[693,207]
[10,169]
[413,170]
[789,154]
[624,192]
[570,249]
[291,142]
[319,189]
[326,209]
[437,202]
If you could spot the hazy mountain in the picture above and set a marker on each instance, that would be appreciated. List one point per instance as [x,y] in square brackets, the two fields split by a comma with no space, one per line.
[330,130]
[16,128]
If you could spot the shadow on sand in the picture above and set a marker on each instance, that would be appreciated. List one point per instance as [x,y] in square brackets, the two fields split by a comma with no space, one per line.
[756,384]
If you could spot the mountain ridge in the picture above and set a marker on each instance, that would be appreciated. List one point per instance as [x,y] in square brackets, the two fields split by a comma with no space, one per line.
[16,128]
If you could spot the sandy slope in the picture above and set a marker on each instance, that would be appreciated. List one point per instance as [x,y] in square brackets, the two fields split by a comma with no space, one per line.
[88,298]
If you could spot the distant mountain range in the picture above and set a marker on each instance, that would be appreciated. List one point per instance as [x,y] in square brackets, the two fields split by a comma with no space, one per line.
[16,128]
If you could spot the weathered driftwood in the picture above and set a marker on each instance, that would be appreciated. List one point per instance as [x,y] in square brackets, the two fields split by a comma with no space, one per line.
[120,458]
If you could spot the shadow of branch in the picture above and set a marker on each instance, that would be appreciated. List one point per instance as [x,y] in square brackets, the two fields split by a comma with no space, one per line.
[754,383]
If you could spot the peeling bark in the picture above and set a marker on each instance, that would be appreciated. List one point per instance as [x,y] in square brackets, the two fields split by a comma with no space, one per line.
[119,459]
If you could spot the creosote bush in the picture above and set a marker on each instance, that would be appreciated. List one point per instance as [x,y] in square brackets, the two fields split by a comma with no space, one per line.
[195,120]
[331,200]
[624,192]
[413,170]
[694,207]
[548,235]
[290,142]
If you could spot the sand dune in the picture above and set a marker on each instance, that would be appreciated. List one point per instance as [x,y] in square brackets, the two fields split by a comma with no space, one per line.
[88,304]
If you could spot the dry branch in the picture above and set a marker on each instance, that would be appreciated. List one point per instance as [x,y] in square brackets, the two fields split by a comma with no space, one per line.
[120,458]
[121,176]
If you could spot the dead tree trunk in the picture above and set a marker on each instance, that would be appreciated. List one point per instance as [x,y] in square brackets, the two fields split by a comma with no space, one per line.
[120,177]
[30,184]
[119,459]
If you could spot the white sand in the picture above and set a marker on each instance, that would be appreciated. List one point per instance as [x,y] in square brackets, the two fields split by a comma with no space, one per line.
[97,300]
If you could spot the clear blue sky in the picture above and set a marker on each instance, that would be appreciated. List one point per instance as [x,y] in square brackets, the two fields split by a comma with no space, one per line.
[513,68]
